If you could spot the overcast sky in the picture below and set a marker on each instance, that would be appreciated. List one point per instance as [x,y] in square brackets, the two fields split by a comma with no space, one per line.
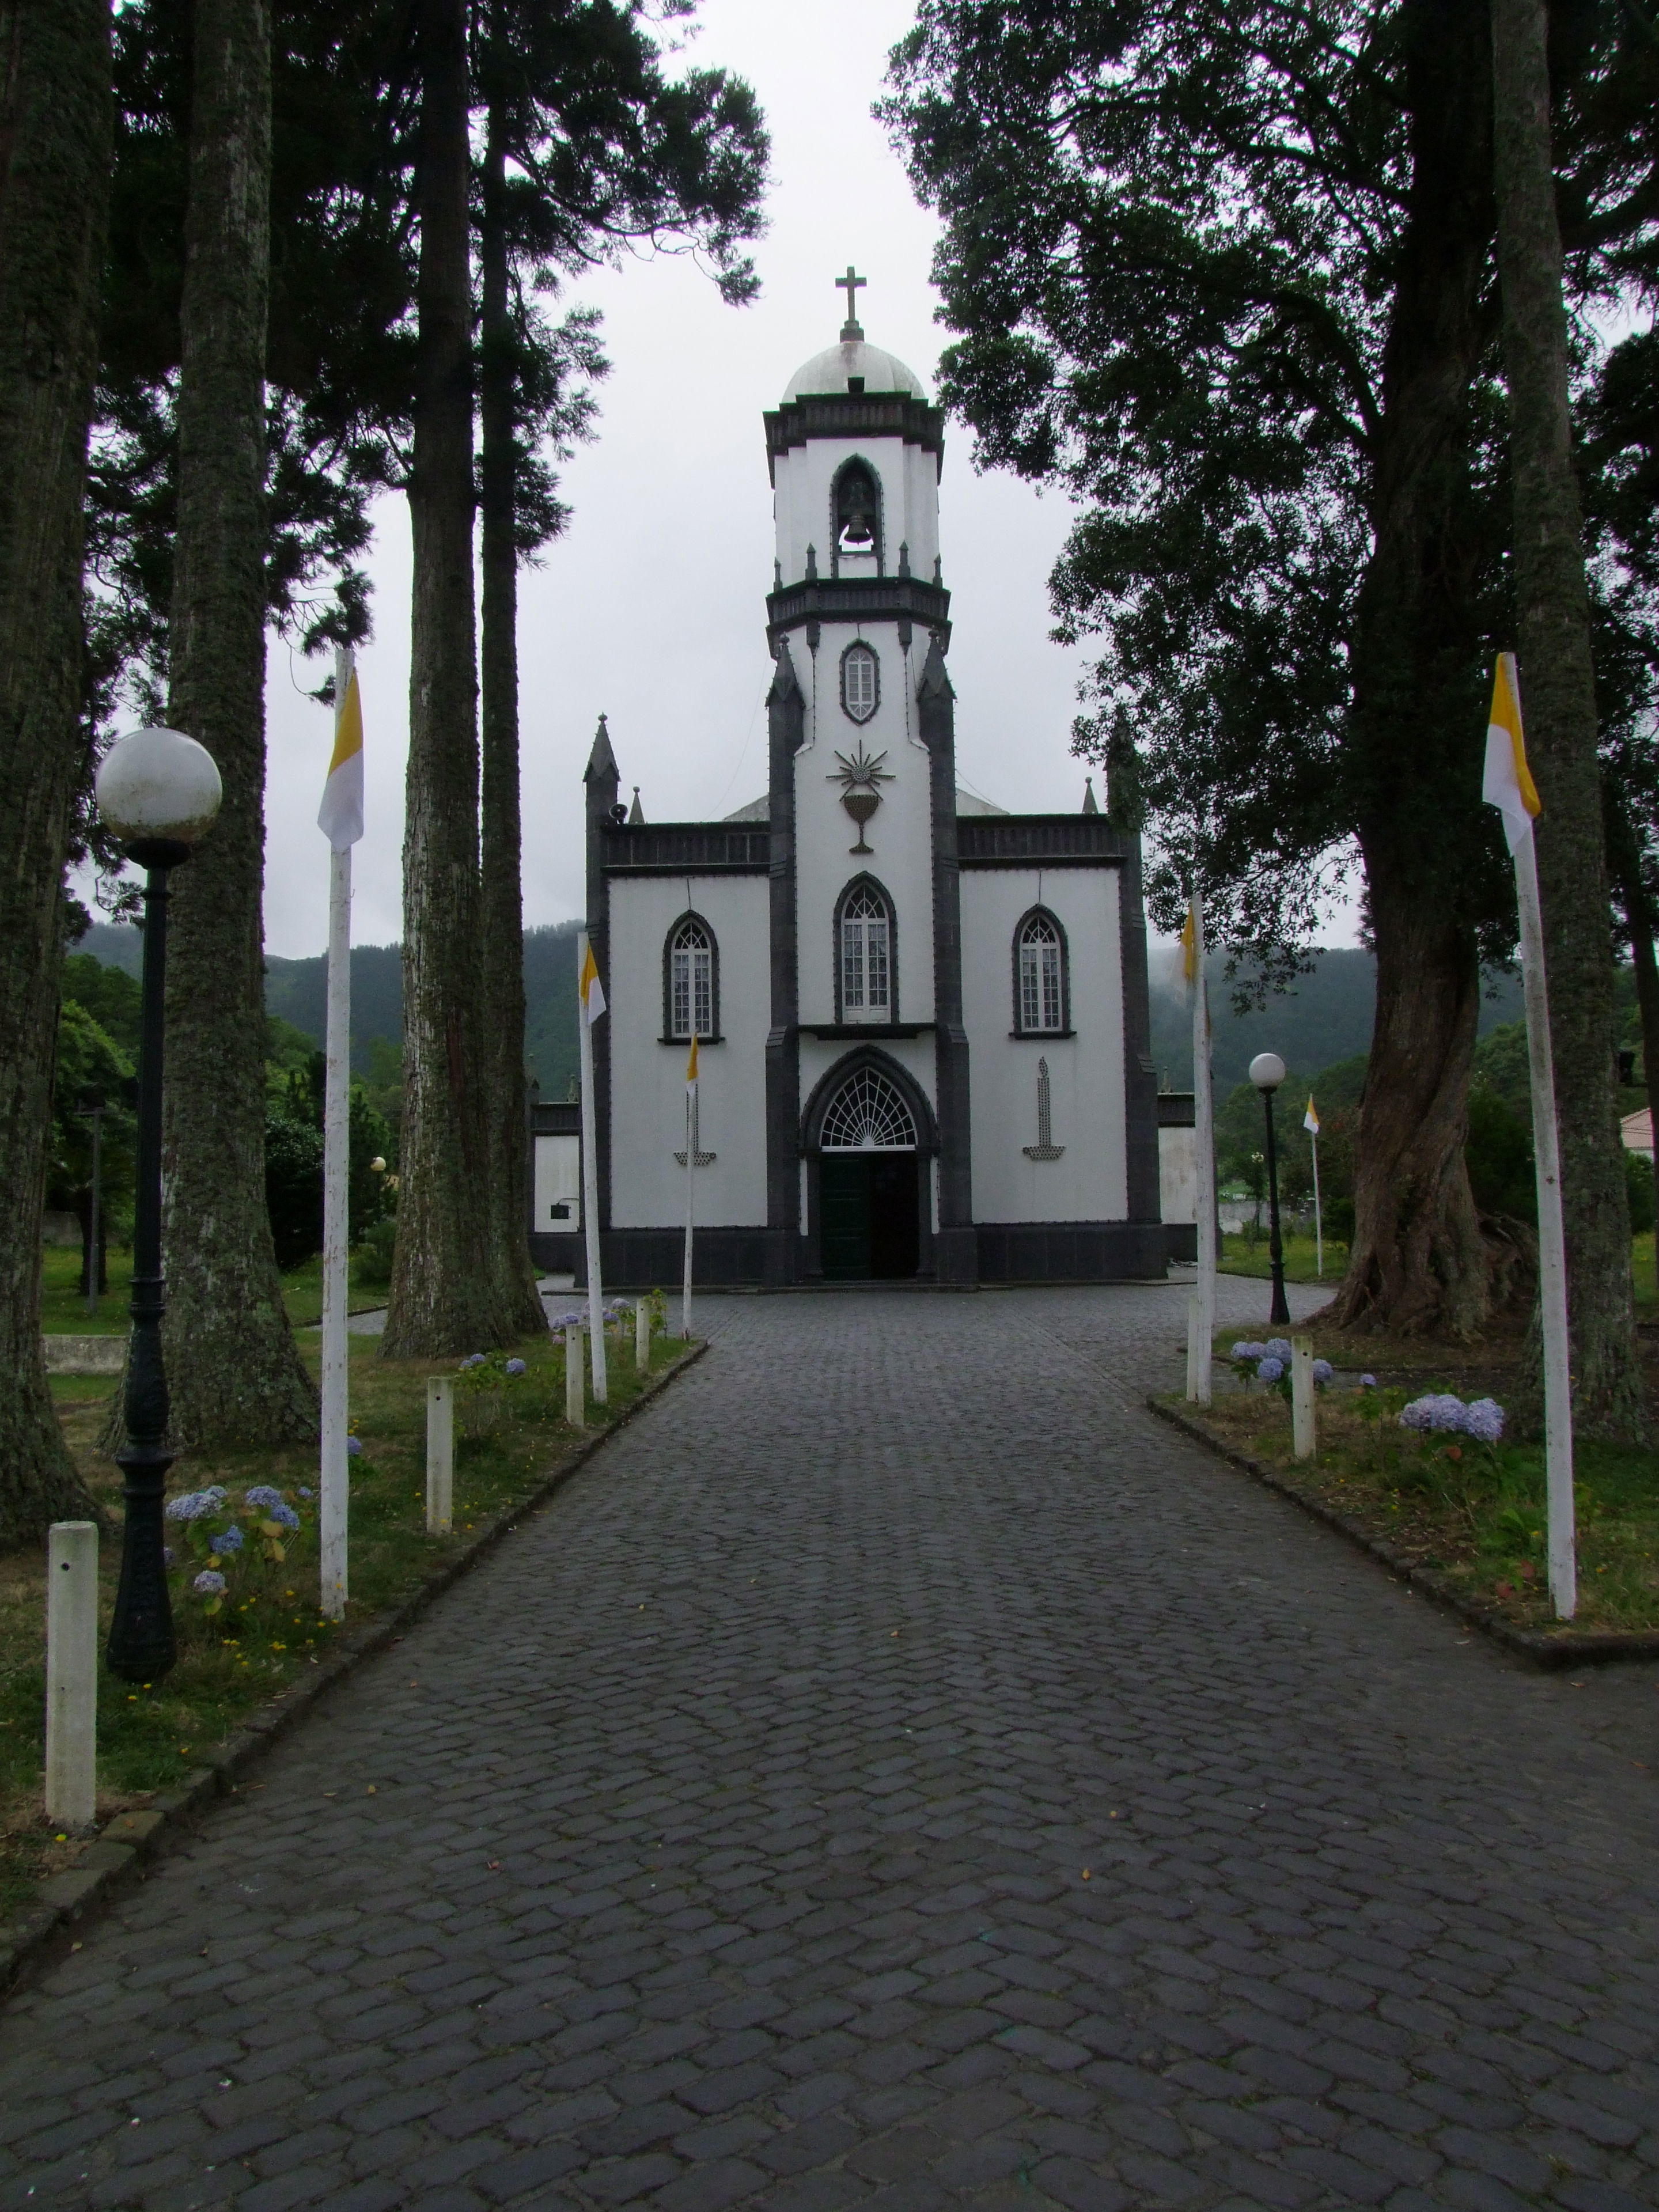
[651,608]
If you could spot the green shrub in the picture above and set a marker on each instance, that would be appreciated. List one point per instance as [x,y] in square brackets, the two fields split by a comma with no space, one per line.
[1638,1180]
[371,1264]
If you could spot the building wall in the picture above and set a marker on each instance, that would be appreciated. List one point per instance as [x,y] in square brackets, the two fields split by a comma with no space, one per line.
[908,478]
[648,1078]
[900,835]
[1177,1174]
[1086,1070]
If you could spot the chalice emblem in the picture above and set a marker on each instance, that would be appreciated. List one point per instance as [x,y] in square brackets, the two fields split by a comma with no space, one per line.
[860,776]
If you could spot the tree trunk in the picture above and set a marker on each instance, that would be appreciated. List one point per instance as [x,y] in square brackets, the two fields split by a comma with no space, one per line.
[443,1297]
[1417,1264]
[500,996]
[55,152]
[1647,1000]
[1558,697]
[235,1375]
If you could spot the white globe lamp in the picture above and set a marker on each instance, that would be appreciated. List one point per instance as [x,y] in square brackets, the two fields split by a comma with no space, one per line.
[160,792]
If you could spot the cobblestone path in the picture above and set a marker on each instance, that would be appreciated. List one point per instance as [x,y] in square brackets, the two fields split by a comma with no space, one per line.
[897,1772]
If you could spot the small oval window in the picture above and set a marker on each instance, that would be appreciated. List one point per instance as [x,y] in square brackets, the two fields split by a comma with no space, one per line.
[859,687]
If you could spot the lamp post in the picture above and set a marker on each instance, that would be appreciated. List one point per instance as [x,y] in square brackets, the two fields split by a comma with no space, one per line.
[1267,1073]
[159,791]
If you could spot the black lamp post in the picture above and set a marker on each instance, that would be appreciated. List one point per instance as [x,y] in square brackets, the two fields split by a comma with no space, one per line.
[159,791]
[1267,1073]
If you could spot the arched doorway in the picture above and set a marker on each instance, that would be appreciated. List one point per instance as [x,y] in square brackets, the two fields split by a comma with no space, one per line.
[873,1189]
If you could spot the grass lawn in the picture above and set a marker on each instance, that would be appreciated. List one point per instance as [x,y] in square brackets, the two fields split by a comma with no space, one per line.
[268,1628]
[1474,1511]
[63,1308]
[1236,1257]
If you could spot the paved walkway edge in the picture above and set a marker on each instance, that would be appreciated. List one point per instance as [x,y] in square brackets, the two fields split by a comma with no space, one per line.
[1551,1648]
[131,1839]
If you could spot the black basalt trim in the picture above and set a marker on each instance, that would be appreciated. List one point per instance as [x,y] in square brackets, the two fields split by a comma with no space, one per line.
[857,599]
[1140,1070]
[853,415]
[1048,840]
[674,848]
[1071,1251]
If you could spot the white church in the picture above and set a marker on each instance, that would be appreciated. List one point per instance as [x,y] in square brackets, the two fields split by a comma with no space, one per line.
[922,1022]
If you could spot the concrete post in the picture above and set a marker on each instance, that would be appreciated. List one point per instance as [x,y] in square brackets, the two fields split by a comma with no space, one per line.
[642,1337]
[1198,1350]
[72,1672]
[1302,1397]
[439,1455]
[575,1392]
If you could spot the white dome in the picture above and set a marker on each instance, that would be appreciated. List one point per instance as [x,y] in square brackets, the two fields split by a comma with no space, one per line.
[833,369]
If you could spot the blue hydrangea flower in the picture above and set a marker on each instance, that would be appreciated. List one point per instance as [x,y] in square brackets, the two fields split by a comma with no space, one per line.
[304,1493]
[229,1540]
[475,1360]
[1269,1370]
[1249,1352]
[168,1557]
[1279,1347]
[208,1584]
[1323,1372]
[283,1516]
[353,1445]
[1435,1412]
[515,1367]
[192,1505]
[262,1494]
[1368,1383]
[1484,1420]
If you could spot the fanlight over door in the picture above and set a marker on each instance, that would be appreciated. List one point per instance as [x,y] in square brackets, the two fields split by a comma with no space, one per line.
[868,1114]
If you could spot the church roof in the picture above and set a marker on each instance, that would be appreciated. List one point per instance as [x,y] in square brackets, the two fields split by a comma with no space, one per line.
[835,368]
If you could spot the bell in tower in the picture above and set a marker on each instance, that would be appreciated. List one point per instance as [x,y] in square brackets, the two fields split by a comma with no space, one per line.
[857,514]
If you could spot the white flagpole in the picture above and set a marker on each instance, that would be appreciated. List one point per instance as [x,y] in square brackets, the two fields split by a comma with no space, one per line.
[334,1466]
[591,1185]
[690,1204]
[1507,784]
[1551,1245]
[1319,1222]
[1201,1334]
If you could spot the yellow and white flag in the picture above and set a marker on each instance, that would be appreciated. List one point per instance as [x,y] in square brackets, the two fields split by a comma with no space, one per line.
[1190,946]
[1507,784]
[691,1071]
[340,817]
[592,990]
[1310,1119]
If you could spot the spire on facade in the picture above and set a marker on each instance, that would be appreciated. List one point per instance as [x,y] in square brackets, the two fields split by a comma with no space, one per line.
[635,812]
[601,762]
[1090,805]
[934,683]
[785,684]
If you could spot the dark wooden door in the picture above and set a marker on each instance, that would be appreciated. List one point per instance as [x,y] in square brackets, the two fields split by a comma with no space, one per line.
[844,1215]
[895,1227]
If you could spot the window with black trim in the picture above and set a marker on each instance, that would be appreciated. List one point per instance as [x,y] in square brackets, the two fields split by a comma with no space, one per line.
[1041,985]
[691,981]
[863,949]
[860,682]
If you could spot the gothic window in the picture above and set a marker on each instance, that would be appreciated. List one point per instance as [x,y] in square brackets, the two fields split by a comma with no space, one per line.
[1040,978]
[861,683]
[868,1114]
[866,934]
[856,518]
[690,976]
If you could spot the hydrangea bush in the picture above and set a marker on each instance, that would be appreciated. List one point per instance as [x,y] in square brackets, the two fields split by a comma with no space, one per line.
[1439,1413]
[217,1545]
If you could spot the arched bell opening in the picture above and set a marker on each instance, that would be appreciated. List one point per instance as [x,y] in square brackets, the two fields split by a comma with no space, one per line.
[869,1142]
[856,536]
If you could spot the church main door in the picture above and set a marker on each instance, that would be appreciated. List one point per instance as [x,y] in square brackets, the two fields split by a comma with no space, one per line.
[868,1211]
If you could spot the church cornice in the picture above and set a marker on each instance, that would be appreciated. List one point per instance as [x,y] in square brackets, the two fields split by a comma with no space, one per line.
[854,415]
[1048,840]
[857,599]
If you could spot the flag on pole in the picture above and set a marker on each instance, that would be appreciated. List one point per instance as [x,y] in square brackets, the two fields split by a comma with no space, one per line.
[1507,784]
[1189,947]
[691,1069]
[1310,1119]
[340,817]
[592,990]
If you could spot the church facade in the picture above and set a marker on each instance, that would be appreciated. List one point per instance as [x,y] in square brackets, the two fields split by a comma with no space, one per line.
[922,1022]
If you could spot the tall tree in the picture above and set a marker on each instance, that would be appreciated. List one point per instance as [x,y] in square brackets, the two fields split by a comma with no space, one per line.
[55,135]
[234,1370]
[1559,700]
[445,1295]
[1228,274]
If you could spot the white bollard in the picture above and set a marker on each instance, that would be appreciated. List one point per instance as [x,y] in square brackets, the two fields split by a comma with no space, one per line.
[72,1674]
[439,1455]
[1302,1397]
[642,1337]
[575,1392]
[1198,1353]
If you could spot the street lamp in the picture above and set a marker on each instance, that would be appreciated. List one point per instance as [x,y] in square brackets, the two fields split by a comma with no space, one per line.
[1267,1073]
[159,792]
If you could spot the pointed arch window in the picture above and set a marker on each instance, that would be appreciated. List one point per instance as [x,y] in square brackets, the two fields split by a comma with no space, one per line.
[1041,983]
[868,1114]
[691,982]
[864,975]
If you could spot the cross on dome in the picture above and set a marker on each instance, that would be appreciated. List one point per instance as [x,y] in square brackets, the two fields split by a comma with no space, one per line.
[852,283]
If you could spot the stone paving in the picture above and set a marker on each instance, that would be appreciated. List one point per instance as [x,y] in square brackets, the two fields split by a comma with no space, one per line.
[897,1772]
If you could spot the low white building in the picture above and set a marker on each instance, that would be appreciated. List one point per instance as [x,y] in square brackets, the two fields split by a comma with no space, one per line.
[923,1022]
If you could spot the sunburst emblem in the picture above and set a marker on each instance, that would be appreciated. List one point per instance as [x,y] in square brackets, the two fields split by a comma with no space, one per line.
[860,776]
